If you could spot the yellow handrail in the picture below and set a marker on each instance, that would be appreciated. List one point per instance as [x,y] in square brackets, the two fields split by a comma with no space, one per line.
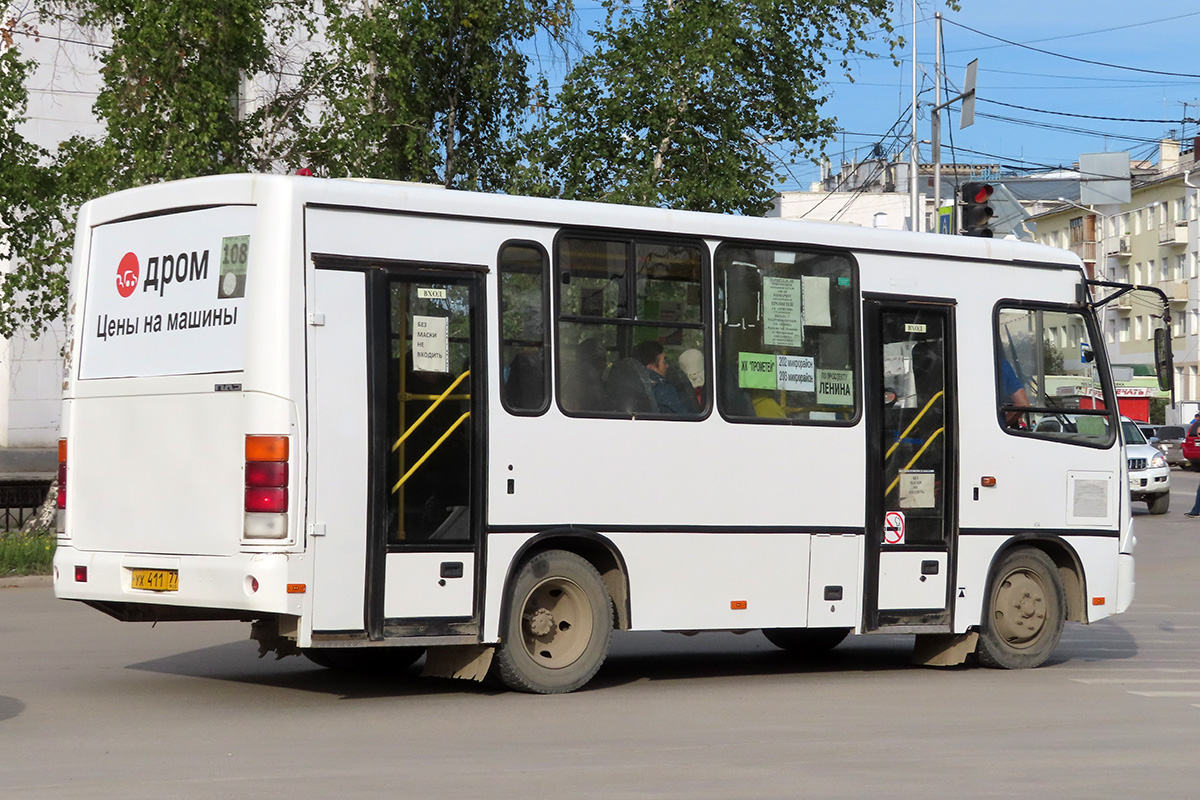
[924,447]
[429,411]
[911,425]
[429,452]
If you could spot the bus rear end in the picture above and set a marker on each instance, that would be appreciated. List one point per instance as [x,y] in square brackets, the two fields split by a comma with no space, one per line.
[176,469]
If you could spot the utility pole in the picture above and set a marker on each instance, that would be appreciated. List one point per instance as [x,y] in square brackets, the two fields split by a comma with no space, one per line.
[935,118]
[913,153]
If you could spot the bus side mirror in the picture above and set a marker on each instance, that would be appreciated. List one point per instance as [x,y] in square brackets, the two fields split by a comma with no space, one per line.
[1164,366]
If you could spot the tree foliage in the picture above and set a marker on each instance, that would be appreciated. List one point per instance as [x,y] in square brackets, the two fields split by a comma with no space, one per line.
[679,103]
[33,227]
[425,90]
[694,103]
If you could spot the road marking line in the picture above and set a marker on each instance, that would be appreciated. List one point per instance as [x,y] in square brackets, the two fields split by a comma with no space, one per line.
[1166,694]
[1136,680]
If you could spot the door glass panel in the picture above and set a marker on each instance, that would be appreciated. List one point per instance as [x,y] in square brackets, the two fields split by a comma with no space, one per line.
[914,445]
[429,412]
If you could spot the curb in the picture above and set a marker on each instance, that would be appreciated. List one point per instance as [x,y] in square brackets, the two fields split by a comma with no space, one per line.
[25,581]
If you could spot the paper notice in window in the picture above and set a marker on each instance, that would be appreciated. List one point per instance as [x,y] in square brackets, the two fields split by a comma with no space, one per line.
[917,488]
[431,344]
[816,301]
[783,313]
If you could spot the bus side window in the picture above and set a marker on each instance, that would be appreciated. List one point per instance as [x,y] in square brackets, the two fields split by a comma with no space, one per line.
[632,336]
[785,335]
[525,384]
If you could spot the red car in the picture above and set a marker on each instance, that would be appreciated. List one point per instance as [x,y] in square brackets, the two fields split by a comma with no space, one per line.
[1191,445]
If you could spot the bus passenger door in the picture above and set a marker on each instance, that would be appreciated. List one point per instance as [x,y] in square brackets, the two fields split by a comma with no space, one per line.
[911,464]
[396,386]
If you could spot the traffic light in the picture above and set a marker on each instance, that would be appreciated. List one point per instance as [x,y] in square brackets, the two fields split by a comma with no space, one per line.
[976,213]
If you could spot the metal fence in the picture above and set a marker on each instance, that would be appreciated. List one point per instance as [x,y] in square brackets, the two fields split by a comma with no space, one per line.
[20,500]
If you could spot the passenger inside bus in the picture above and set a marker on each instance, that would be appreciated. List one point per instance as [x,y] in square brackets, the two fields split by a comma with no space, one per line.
[583,377]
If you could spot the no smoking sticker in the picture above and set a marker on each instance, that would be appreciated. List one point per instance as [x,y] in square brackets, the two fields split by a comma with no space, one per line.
[893,527]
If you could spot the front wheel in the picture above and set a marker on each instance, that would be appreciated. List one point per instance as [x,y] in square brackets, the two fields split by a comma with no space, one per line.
[558,627]
[1025,612]
[1159,503]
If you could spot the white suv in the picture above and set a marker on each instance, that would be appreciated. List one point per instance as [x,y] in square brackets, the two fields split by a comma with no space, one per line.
[1149,473]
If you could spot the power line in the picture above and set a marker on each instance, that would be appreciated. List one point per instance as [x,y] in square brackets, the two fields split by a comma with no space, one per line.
[1088,33]
[1074,58]
[1083,116]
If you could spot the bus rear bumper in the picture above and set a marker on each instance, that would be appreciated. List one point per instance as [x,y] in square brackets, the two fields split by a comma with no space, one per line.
[241,586]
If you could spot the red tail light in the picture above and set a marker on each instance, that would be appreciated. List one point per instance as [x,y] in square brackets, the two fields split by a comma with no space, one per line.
[266,474]
[61,501]
[266,497]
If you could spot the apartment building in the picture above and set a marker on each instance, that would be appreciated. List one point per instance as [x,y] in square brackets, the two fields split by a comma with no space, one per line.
[1151,240]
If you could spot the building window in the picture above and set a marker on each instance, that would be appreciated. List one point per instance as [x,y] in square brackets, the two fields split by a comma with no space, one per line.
[1180,268]
[1124,336]
[1151,217]
[1076,231]
[1110,331]
[1164,270]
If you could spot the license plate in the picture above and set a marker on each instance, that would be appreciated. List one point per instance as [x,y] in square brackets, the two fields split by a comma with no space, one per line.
[156,580]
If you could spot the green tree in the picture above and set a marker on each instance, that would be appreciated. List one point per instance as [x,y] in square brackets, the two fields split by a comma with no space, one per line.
[171,83]
[696,103]
[33,226]
[426,90]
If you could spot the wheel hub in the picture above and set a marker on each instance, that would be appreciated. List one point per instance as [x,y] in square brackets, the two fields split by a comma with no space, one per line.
[540,622]
[1020,608]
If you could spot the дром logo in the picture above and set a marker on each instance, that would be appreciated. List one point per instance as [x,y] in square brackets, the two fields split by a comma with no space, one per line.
[127,274]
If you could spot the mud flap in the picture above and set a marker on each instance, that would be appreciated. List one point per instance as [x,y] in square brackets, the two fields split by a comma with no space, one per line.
[943,649]
[466,662]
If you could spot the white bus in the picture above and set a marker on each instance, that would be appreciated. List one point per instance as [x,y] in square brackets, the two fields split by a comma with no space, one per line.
[377,419]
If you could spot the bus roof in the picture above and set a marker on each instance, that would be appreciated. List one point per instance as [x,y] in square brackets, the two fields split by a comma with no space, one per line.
[381,195]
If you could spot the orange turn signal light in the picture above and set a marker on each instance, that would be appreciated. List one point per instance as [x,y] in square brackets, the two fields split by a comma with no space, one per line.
[266,448]
[737,605]
[1098,601]
[297,588]
[987,480]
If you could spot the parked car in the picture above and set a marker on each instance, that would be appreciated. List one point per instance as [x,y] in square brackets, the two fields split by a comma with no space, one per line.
[1149,474]
[1169,439]
[1191,449]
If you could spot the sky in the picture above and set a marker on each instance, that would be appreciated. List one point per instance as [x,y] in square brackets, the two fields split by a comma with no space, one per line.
[1150,35]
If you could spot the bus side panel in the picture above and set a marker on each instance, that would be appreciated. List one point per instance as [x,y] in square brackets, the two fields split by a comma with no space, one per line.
[976,554]
[156,474]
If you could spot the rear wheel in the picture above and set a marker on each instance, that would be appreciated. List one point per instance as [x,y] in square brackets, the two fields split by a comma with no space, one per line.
[1025,613]
[558,627]
[811,641]
[1159,503]
[381,660]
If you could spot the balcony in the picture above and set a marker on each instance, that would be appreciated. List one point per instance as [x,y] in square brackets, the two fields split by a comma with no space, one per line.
[1119,247]
[1173,233]
[1176,291]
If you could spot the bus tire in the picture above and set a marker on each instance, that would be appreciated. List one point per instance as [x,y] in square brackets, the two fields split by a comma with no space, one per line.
[812,641]
[558,627]
[375,660]
[1025,612]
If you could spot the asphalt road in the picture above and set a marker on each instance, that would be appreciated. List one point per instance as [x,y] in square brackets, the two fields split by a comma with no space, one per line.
[92,708]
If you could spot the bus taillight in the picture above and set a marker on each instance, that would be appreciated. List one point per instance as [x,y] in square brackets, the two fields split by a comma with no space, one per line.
[266,492]
[61,501]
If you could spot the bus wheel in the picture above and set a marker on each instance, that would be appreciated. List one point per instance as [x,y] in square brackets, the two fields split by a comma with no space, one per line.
[1025,612]
[380,660]
[558,627]
[806,640]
